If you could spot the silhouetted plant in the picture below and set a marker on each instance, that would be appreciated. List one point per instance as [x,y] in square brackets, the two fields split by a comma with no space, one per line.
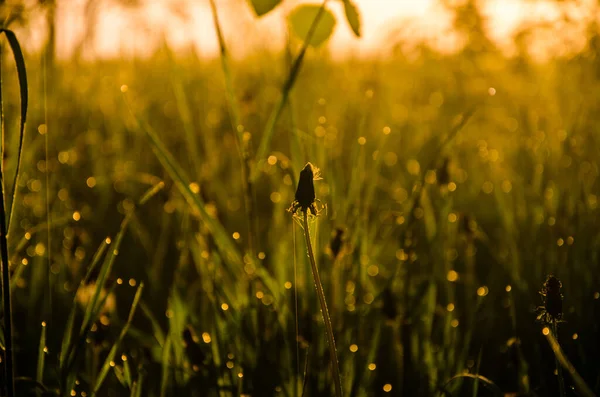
[306,201]
[551,314]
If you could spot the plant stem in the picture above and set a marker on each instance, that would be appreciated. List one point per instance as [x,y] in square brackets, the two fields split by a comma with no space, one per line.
[324,312]
[8,353]
[561,381]
[244,145]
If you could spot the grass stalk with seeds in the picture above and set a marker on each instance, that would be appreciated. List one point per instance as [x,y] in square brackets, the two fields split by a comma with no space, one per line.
[305,201]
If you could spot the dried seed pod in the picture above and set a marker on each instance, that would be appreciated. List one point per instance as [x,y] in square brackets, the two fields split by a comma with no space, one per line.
[552,310]
[305,193]
[553,297]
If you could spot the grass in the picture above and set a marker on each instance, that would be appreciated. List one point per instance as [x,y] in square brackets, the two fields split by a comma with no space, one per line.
[435,287]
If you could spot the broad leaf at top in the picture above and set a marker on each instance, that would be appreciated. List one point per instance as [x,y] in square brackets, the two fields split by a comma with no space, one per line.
[352,16]
[261,7]
[301,20]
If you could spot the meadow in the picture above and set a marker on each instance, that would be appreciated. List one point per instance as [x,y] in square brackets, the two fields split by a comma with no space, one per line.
[152,251]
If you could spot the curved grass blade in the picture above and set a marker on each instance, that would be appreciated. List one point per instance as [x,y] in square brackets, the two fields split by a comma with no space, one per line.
[269,130]
[243,145]
[22,75]
[66,342]
[158,333]
[582,387]
[4,222]
[18,265]
[487,383]
[224,242]
[39,377]
[113,350]
[96,302]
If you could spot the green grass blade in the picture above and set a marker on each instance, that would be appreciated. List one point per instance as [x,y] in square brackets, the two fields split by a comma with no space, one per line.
[224,242]
[66,342]
[105,270]
[231,101]
[23,242]
[164,383]
[243,144]
[109,261]
[136,389]
[96,303]
[582,387]
[127,373]
[41,355]
[23,91]
[487,383]
[159,335]
[113,351]
[269,130]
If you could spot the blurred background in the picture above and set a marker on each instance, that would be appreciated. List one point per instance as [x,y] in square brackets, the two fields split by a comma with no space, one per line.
[458,145]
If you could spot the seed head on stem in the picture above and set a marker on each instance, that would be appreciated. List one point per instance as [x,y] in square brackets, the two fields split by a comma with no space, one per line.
[305,199]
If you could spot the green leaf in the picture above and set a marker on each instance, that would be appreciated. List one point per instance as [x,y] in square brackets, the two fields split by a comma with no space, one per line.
[301,20]
[68,334]
[113,351]
[261,7]
[41,355]
[223,240]
[352,16]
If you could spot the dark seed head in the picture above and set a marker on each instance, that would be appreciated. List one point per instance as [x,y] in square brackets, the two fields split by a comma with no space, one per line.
[305,193]
[552,297]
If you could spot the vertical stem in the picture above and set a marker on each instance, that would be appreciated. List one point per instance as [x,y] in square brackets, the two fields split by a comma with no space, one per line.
[48,68]
[324,312]
[243,144]
[561,381]
[8,354]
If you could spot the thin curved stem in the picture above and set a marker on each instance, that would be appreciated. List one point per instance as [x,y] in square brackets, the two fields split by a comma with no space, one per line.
[324,312]
[8,340]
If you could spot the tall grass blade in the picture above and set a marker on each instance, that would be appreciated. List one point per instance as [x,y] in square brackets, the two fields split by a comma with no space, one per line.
[136,389]
[39,377]
[242,144]
[159,335]
[97,302]
[269,130]
[224,242]
[4,221]
[23,91]
[115,347]
[164,383]
[66,342]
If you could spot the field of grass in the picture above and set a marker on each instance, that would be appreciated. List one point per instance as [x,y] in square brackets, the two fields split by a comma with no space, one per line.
[452,185]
